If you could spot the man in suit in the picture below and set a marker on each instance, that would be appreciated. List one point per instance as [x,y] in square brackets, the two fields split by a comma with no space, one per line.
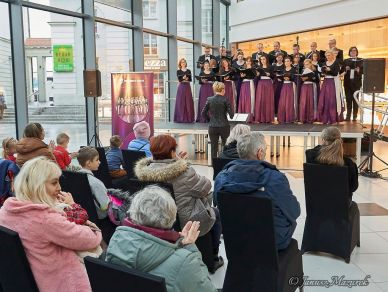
[295,53]
[205,57]
[333,46]
[314,49]
[260,52]
[276,49]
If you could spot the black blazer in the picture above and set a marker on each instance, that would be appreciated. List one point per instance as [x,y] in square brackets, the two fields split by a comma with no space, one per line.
[254,55]
[201,59]
[215,110]
[272,56]
[312,155]
[355,83]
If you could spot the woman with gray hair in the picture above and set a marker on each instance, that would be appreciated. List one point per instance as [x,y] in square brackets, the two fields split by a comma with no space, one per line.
[230,148]
[146,242]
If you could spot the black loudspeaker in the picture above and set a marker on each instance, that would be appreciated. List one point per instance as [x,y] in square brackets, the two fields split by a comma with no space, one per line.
[374,75]
[92,83]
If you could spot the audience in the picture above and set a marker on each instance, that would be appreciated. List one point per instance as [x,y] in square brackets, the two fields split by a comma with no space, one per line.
[89,160]
[32,145]
[60,151]
[251,174]
[114,157]
[230,148]
[331,153]
[147,243]
[191,189]
[9,149]
[142,133]
[49,239]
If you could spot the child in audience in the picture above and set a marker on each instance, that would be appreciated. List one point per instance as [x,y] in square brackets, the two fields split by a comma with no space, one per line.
[142,133]
[60,151]
[9,148]
[115,157]
[89,160]
[75,213]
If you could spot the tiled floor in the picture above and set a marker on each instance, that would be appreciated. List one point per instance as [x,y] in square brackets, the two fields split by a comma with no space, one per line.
[369,259]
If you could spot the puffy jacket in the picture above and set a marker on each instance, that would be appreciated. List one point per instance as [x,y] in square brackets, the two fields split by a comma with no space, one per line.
[191,189]
[230,151]
[181,267]
[28,148]
[262,178]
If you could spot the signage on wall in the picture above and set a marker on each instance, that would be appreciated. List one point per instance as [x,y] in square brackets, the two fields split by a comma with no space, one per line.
[155,64]
[63,58]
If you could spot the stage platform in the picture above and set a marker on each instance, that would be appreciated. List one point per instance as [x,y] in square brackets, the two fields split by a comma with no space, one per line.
[348,130]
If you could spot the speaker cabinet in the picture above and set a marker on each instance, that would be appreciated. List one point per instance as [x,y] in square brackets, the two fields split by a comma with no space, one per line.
[374,75]
[92,83]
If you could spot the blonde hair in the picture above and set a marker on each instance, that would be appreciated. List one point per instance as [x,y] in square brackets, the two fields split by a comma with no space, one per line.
[308,64]
[62,138]
[218,87]
[329,52]
[331,152]
[7,143]
[180,63]
[237,131]
[30,183]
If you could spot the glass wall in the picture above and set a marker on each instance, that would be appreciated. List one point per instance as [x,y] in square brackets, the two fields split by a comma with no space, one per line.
[156,60]
[185,18]
[72,5]
[114,54]
[7,116]
[155,15]
[117,10]
[207,21]
[54,68]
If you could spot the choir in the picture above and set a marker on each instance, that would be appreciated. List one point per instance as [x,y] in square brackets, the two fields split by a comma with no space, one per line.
[277,87]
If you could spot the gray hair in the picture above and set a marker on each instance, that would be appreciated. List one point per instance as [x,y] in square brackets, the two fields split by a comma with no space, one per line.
[237,131]
[249,144]
[153,206]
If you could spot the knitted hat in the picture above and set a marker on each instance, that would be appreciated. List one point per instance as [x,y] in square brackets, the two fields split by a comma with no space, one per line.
[142,130]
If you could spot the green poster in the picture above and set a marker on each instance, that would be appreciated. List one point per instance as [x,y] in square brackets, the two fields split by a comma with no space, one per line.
[63,58]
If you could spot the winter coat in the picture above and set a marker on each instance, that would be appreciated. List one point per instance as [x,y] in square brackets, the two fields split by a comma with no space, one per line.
[230,151]
[50,242]
[262,178]
[191,189]
[28,148]
[181,267]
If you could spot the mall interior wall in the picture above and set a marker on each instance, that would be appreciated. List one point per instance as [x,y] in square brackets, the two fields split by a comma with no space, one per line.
[255,19]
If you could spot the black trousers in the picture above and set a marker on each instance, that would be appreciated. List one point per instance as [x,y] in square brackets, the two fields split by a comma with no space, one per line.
[351,103]
[214,134]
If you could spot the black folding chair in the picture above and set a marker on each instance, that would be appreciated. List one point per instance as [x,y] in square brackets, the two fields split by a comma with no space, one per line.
[78,185]
[254,263]
[105,277]
[15,271]
[332,223]
[130,158]
[218,165]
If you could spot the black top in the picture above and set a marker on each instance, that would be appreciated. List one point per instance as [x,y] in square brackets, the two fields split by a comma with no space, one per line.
[353,63]
[312,155]
[289,74]
[313,76]
[272,56]
[264,71]
[277,71]
[202,59]
[237,66]
[334,69]
[180,74]
[230,151]
[207,77]
[226,75]
[250,73]
[215,111]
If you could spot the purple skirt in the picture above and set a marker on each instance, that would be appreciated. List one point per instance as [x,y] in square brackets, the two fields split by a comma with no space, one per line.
[205,91]
[264,102]
[286,111]
[277,88]
[229,93]
[244,103]
[184,104]
[327,104]
[306,104]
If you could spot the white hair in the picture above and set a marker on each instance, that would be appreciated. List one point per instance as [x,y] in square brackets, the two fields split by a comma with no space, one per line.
[237,131]
[153,206]
[249,144]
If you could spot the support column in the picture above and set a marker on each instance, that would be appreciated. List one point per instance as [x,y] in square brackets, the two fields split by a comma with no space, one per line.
[19,66]
[138,49]
[172,56]
[216,23]
[41,78]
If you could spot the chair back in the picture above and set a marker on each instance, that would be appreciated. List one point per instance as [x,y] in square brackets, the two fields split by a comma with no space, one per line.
[77,184]
[218,165]
[130,158]
[15,271]
[326,191]
[103,171]
[105,276]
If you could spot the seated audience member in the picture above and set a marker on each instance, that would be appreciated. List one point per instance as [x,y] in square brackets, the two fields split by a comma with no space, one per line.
[89,160]
[49,239]
[60,151]
[8,171]
[230,148]
[32,145]
[191,189]
[142,133]
[115,157]
[146,242]
[9,149]
[331,153]
[251,174]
